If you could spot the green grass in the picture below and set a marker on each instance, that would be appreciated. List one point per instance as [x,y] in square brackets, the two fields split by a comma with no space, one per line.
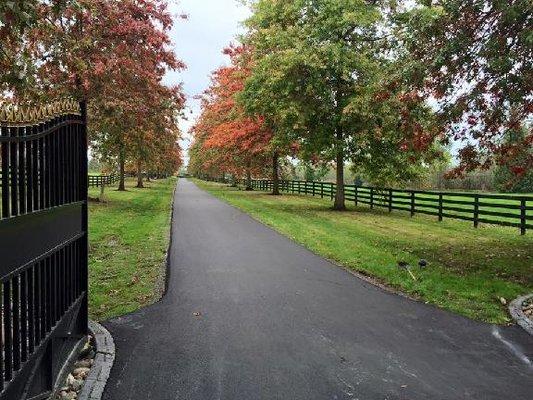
[128,236]
[469,269]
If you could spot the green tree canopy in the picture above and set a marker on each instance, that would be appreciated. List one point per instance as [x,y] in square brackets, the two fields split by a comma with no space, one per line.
[322,77]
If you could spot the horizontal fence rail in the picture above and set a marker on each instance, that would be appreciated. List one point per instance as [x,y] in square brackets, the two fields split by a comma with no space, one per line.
[102,180]
[43,248]
[498,209]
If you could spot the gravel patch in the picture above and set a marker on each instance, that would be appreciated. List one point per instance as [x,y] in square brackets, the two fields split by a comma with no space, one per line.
[90,372]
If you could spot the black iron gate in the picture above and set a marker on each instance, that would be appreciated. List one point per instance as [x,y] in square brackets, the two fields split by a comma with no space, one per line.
[43,244]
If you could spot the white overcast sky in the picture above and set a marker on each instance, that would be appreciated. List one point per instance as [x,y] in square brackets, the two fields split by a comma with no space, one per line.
[199,41]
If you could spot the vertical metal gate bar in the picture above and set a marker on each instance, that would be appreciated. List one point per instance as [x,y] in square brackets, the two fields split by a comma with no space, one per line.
[31,308]
[43,302]
[8,347]
[47,173]
[24,316]
[22,170]
[13,171]
[15,298]
[6,209]
[48,284]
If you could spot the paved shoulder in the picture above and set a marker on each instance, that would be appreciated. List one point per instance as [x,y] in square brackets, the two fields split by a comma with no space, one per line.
[251,315]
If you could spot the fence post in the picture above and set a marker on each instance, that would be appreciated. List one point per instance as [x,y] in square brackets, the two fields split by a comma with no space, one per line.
[476,211]
[390,200]
[412,203]
[440,207]
[331,190]
[371,198]
[321,190]
[313,188]
[523,216]
[356,193]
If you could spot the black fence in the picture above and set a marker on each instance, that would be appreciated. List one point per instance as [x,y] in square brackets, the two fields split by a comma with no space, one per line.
[479,208]
[101,180]
[43,244]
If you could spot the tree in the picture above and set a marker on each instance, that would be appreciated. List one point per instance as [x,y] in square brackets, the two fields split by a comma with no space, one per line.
[16,19]
[233,141]
[112,54]
[312,173]
[321,76]
[474,58]
[508,175]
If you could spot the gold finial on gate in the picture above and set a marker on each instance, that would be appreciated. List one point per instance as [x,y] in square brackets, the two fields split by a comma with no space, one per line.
[15,115]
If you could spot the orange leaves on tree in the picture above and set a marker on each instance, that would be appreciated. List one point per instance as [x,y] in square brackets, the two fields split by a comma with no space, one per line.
[231,140]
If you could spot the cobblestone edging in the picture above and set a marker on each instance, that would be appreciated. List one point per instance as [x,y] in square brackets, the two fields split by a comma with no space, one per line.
[93,388]
[517,312]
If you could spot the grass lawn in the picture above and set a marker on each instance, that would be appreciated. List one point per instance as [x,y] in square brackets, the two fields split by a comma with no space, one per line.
[128,236]
[469,269]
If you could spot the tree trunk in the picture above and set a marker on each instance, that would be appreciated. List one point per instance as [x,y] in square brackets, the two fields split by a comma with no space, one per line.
[339,196]
[122,162]
[101,198]
[140,183]
[275,174]
[248,178]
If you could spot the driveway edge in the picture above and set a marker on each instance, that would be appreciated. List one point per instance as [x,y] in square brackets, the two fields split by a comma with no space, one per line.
[515,308]
[93,389]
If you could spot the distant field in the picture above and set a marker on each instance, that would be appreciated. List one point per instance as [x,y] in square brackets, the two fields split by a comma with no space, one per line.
[469,269]
[128,236]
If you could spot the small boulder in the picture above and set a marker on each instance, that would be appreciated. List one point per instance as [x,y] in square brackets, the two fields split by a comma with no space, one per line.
[70,379]
[84,363]
[70,395]
[87,348]
[77,385]
[81,373]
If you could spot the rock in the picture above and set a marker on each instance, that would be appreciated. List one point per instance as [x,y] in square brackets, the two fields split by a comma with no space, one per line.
[77,385]
[87,348]
[70,379]
[81,372]
[68,395]
[503,301]
[85,363]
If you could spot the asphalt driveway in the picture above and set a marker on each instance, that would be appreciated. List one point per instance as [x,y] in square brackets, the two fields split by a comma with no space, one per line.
[249,315]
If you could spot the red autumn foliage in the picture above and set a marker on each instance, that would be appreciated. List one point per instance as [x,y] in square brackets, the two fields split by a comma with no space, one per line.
[231,140]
